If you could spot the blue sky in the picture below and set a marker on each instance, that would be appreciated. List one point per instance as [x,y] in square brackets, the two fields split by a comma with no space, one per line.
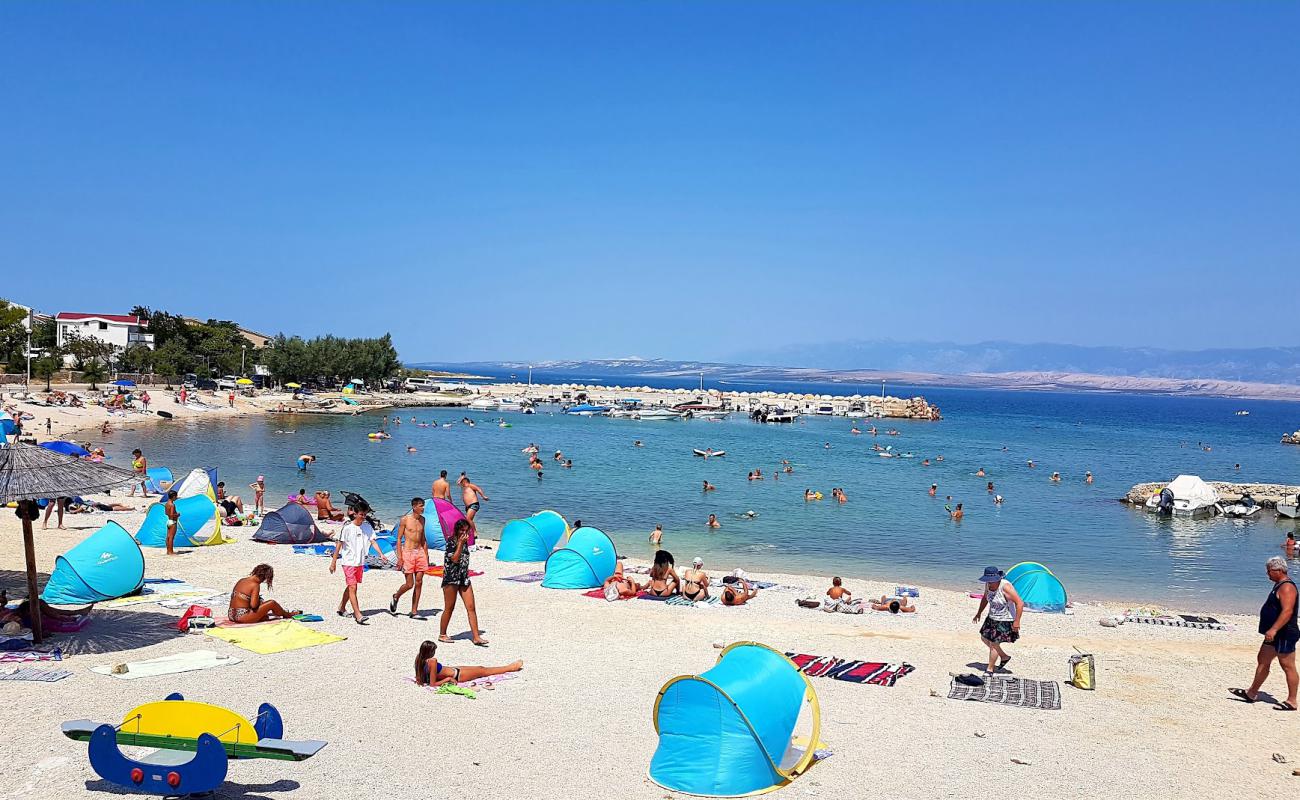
[679,179]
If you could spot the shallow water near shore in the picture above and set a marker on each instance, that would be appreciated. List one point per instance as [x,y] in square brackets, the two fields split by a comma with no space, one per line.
[889,529]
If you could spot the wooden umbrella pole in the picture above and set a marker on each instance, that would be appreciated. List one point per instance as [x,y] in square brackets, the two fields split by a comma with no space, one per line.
[33,598]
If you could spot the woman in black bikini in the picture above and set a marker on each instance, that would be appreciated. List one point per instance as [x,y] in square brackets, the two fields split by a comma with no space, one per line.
[428,672]
[663,578]
[695,581]
[246,603]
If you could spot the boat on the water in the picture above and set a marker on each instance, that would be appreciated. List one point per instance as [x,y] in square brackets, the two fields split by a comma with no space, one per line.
[657,414]
[483,404]
[1185,496]
[779,415]
[824,410]
[509,404]
[587,410]
[709,413]
[709,453]
[1288,511]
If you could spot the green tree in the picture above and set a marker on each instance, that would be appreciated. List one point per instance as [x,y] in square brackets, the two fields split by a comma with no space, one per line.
[13,333]
[137,358]
[93,372]
[91,355]
[172,360]
[47,364]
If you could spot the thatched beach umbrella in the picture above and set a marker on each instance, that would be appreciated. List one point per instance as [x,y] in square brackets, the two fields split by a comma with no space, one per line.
[29,473]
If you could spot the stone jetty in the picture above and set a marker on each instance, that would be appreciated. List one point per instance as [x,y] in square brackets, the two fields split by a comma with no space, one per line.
[1267,495]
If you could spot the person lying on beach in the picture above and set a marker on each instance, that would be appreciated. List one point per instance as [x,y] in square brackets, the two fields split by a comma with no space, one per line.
[83,506]
[624,587]
[235,500]
[246,602]
[429,672]
[22,614]
[695,581]
[738,593]
[899,605]
[663,578]
[325,508]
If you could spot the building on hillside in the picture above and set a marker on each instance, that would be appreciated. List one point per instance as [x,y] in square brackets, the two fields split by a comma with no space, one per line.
[119,330]
[254,338]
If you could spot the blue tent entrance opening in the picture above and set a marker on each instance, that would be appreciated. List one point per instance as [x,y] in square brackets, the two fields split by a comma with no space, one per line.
[728,732]
[531,539]
[290,524]
[197,525]
[106,564]
[1038,587]
[585,561]
[158,479]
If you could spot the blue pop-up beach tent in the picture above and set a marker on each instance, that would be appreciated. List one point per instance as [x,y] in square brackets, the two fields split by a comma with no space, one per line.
[585,561]
[158,479]
[106,564]
[1038,587]
[198,524]
[727,733]
[531,539]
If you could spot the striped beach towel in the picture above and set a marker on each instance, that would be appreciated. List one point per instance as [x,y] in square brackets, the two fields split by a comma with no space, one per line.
[34,674]
[527,577]
[26,656]
[1178,622]
[877,673]
[1009,691]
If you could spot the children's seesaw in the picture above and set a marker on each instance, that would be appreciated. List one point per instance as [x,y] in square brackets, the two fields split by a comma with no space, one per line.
[195,743]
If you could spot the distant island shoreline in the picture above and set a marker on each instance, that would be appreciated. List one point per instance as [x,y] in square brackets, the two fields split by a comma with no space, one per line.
[1009,381]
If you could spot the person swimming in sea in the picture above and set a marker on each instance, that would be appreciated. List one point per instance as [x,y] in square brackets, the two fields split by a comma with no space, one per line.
[713,521]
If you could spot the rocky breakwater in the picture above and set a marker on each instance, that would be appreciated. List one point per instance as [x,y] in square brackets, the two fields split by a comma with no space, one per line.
[1266,494]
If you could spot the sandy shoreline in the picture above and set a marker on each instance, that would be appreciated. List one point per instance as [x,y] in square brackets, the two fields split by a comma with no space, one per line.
[579,717]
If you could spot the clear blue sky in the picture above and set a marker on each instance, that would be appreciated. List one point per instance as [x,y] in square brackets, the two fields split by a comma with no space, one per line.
[679,179]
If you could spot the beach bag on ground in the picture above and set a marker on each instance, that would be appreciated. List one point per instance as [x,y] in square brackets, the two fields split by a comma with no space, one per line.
[195,617]
[1083,672]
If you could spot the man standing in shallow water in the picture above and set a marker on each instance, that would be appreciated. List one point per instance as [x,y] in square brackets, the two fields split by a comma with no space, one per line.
[470,494]
[441,487]
[413,557]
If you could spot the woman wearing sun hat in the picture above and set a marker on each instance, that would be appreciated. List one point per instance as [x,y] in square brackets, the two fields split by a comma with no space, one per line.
[1002,625]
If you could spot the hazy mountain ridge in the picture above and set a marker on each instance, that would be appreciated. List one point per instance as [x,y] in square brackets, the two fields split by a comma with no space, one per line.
[1272,365]
[579,371]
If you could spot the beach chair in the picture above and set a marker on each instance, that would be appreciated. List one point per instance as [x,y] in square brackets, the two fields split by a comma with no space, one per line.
[195,743]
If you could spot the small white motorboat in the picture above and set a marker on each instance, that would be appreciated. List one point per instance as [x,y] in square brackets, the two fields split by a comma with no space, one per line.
[709,453]
[1240,511]
[483,404]
[508,404]
[657,414]
[1288,510]
[709,414]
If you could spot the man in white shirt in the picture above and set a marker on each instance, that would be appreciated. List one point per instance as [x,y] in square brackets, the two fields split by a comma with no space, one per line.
[355,540]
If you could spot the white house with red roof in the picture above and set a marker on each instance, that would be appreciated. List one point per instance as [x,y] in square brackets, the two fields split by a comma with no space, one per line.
[119,330]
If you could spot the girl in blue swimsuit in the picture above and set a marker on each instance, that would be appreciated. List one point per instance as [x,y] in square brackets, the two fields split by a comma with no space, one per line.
[429,672]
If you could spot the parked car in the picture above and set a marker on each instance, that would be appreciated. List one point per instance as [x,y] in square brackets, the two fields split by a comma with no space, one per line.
[227,382]
[206,384]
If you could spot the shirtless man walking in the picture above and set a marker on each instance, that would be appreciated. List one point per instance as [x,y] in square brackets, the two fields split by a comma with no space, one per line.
[413,554]
[441,488]
[471,495]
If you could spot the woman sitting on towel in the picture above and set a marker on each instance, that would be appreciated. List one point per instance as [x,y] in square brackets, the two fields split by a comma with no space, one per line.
[325,509]
[246,603]
[429,672]
[663,578]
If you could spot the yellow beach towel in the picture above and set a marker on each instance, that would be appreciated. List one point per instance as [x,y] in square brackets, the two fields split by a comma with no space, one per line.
[277,637]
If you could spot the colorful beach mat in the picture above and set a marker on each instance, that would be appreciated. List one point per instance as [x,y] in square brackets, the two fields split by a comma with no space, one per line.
[1180,621]
[27,656]
[1009,691]
[278,637]
[159,589]
[876,673]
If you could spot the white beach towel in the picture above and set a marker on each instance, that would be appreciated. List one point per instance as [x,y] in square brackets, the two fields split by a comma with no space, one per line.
[168,665]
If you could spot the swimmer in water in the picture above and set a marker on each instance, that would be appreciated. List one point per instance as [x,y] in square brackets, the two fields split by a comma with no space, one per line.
[990,487]
[751,514]
[1030,463]
[925,462]
[979,473]
[1087,478]
[997,500]
[637,443]
[713,521]
[1056,477]
[708,487]
[934,488]
[410,448]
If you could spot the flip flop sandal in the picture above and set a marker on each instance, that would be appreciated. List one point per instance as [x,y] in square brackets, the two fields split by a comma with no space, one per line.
[362,621]
[483,643]
[1284,707]
[446,640]
[417,616]
[1240,694]
[392,606]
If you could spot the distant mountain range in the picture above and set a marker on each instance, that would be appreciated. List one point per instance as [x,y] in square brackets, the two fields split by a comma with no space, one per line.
[1257,374]
[1278,365]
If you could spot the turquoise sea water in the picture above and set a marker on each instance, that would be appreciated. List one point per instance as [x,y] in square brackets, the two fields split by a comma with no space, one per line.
[889,528]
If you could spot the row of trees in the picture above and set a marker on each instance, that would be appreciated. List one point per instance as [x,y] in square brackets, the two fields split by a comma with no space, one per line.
[296,359]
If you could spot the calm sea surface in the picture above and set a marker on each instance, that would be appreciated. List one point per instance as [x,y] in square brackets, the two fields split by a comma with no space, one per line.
[889,528]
